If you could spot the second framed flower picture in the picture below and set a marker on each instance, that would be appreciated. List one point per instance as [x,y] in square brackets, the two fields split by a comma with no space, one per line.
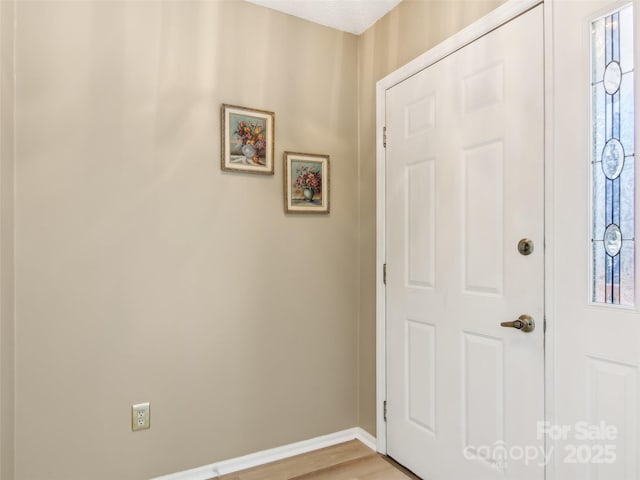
[306,182]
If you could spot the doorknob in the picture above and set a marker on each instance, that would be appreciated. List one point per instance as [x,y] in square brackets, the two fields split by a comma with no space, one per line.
[524,322]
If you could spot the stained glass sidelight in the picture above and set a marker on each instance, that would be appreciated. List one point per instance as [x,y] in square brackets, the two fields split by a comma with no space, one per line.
[613,158]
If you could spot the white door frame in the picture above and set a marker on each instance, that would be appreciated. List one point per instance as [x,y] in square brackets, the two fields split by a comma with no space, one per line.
[506,12]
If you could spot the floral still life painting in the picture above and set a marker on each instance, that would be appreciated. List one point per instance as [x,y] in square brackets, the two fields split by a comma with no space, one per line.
[306,182]
[247,140]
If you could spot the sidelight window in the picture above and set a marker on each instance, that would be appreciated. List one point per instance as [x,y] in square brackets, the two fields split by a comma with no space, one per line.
[613,158]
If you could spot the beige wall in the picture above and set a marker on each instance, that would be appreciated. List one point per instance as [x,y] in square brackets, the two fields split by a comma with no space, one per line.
[7,365]
[410,29]
[145,273]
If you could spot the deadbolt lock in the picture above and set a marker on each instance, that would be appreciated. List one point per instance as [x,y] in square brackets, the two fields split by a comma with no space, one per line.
[525,246]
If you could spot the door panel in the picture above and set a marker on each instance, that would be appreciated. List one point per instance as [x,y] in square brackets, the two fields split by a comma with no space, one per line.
[596,346]
[464,176]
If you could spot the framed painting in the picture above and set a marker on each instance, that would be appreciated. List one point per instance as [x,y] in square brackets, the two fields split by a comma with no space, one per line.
[247,140]
[306,183]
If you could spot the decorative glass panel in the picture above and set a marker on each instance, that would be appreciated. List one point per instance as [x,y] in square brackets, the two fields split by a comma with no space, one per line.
[613,158]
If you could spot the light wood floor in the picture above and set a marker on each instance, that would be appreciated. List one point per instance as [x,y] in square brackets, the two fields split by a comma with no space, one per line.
[347,461]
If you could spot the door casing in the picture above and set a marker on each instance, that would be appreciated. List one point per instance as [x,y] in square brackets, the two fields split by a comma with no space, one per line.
[506,12]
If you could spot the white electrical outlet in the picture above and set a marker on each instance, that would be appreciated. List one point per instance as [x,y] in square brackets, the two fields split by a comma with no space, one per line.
[140,416]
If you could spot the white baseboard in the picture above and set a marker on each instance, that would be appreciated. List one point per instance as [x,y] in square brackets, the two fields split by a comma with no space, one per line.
[266,456]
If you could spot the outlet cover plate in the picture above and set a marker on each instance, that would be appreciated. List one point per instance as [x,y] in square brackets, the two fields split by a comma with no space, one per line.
[140,416]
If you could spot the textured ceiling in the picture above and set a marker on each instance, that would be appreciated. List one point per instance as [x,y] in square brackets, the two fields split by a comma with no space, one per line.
[353,16]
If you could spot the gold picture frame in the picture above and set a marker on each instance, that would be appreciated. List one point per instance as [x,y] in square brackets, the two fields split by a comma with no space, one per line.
[306,183]
[247,140]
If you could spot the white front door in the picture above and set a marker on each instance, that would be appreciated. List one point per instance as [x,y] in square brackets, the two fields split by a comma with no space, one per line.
[465,183]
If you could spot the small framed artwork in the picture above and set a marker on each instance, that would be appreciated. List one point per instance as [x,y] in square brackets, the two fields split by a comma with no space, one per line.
[306,183]
[247,140]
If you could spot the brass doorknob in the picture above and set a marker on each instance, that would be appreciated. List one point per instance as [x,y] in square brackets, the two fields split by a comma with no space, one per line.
[524,322]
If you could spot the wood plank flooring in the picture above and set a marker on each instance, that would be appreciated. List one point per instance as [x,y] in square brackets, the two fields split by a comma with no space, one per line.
[346,461]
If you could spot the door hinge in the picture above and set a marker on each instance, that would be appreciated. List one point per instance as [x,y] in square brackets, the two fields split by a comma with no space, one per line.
[384,410]
[384,273]
[384,137]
